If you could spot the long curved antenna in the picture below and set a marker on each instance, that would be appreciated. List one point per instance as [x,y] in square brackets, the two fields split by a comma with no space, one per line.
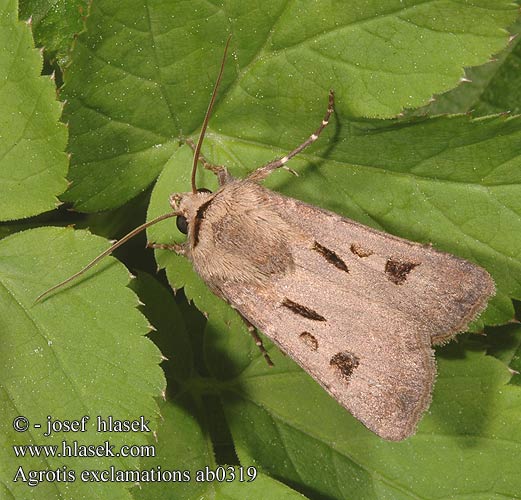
[207,116]
[108,251]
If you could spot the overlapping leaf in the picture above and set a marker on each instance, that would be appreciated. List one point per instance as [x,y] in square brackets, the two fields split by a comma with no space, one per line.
[32,140]
[488,89]
[505,344]
[54,23]
[79,352]
[142,72]
[183,444]
[304,437]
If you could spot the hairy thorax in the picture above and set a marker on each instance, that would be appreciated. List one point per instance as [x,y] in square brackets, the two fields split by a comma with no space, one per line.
[240,236]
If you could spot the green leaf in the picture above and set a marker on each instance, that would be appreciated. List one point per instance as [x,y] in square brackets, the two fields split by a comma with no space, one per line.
[141,73]
[32,140]
[491,88]
[303,437]
[183,443]
[183,448]
[54,23]
[453,182]
[170,334]
[261,487]
[80,351]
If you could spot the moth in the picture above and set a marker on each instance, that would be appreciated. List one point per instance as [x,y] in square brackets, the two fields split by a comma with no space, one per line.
[356,308]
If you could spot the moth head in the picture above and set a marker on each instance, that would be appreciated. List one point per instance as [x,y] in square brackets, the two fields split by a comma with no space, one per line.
[186,206]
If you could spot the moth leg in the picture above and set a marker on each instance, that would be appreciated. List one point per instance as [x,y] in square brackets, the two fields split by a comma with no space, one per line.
[178,248]
[265,170]
[258,341]
[219,170]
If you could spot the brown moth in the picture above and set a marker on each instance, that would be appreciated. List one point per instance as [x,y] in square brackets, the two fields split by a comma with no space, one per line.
[357,308]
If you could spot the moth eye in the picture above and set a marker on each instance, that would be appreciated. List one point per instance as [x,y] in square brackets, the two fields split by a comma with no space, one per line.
[203,190]
[182,224]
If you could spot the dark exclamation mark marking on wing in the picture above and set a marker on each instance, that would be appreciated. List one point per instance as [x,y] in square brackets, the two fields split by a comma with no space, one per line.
[344,363]
[303,311]
[199,216]
[309,340]
[359,250]
[330,256]
[398,270]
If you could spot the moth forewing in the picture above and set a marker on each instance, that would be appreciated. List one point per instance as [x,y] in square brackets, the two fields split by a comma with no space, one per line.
[358,309]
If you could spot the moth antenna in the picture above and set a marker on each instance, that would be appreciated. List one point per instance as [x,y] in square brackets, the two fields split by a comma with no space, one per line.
[207,116]
[108,251]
